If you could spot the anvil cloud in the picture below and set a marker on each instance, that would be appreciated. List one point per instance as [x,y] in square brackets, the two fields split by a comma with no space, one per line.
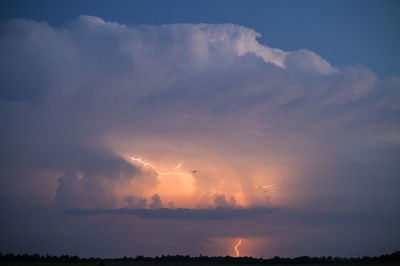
[79,99]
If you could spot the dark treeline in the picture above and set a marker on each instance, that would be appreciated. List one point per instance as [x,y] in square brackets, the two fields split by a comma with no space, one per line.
[394,257]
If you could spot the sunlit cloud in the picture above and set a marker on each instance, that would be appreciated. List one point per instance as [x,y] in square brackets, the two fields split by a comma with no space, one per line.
[200,124]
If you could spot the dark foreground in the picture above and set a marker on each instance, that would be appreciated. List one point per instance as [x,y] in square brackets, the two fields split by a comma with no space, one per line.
[116,263]
[392,259]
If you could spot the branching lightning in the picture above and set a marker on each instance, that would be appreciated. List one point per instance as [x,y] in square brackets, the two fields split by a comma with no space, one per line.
[140,161]
[236,248]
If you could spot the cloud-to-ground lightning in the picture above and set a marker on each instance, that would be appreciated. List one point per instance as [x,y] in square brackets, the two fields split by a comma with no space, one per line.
[236,248]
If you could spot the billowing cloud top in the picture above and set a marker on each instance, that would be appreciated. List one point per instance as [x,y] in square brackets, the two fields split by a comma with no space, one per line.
[101,116]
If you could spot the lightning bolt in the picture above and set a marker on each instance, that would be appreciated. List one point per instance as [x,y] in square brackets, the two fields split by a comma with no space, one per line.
[139,160]
[179,165]
[267,187]
[236,248]
[144,163]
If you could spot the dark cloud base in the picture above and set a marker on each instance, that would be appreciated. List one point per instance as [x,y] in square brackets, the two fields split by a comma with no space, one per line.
[165,213]
[276,216]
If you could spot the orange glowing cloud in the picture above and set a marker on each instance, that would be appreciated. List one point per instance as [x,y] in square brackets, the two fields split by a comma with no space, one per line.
[199,174]
[203,181]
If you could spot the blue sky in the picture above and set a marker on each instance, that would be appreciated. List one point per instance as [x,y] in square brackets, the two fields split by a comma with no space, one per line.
[343,32]
[172,127]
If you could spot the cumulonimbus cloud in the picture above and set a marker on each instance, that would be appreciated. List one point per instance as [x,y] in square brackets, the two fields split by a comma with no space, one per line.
[71,87]
[77,99]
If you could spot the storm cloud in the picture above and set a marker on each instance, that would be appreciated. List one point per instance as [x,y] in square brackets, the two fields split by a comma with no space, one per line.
[78,99]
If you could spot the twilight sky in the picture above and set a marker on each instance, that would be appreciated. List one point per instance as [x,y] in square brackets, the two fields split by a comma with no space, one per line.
[176,127]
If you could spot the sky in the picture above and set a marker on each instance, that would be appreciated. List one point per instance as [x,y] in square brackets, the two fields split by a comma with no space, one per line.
[182,127]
